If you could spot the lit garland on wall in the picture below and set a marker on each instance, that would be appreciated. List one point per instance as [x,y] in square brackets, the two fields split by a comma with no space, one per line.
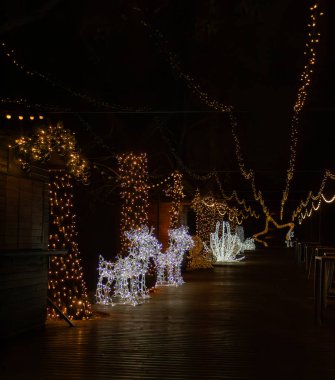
[53,139]
[305,79]
[175,192]
[66,285]
[133,177]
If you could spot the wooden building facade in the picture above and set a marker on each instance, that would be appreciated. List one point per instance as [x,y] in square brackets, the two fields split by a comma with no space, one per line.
[23,242]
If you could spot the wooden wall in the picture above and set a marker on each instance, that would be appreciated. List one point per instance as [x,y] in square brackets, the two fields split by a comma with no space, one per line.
[23,244]
[159,218]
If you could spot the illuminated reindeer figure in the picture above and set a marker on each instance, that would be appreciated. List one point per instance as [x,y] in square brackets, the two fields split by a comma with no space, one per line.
[168,264]
[105,282]
[127,275]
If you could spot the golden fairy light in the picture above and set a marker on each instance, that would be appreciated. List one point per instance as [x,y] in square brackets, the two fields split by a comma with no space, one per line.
[53,139]
[301,212]
[305,81]
[175,192]
[264,232]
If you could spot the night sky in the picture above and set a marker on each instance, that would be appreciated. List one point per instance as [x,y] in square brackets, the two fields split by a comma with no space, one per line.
[102,67]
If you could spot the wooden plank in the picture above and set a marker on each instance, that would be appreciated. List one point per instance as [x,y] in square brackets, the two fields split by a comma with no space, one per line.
[248,321]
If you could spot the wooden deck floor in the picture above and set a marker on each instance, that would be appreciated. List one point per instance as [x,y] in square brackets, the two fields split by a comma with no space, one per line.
[248,321]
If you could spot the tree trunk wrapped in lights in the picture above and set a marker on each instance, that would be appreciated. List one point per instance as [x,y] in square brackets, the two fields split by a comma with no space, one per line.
[133,173]
[175,192]
[225,246]
[207,210]
[67,287]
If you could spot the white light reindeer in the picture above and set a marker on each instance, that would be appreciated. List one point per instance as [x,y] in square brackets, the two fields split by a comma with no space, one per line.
[127,275]
[168,264]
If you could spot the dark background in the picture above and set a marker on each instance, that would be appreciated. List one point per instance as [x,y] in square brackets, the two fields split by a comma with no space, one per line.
[101,71]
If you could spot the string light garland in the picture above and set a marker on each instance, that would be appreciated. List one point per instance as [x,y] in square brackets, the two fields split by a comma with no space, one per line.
[204,97]
[301,211]
[248,174]
[305,81]
[206,177]
[133,177]
[66,285]
[95,137]
[10,55]
[172,59]
[36,106]
[53,139]
[234,196]
[185,168]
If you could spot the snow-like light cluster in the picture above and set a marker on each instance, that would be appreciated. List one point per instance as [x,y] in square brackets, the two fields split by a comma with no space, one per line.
[126,277]
[225,246]
[168,264]
[240,233]
[290,242]
[248,245]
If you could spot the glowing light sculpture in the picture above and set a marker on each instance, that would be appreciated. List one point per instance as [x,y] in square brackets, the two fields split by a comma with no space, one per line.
[168,264]
[226,246]
[240,232]
[197,257]
[248,245]
[289,241]
[105,282]
[125,279]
